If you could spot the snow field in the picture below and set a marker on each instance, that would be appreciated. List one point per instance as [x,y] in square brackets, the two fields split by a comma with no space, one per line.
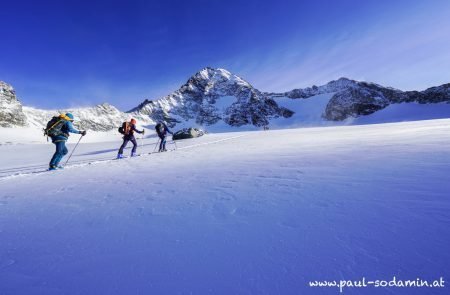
[263,213]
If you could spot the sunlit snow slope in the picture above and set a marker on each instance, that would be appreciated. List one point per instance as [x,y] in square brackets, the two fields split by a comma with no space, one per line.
[263,213]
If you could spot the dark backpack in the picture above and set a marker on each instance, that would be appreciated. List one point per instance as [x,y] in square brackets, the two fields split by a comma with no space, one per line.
[160,129]
[54,126]
[125,128]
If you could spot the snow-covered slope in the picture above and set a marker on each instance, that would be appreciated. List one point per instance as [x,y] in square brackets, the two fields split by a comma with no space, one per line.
[306,112]
[264,213]
[103,117]
[403,112]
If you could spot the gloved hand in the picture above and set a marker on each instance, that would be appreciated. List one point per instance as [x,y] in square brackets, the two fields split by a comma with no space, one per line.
[143,131]
[83,133]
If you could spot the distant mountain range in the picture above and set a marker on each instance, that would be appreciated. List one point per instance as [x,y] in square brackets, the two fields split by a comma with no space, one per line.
[214,98]
[353,99]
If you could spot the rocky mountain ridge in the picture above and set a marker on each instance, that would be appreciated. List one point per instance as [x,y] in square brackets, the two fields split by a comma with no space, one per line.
[216,96]
[354,98]
[11,112]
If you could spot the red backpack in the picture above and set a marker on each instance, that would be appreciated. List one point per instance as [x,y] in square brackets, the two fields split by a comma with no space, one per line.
[125,128]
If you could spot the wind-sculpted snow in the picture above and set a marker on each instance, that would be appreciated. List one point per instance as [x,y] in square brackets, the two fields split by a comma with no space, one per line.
[262,213]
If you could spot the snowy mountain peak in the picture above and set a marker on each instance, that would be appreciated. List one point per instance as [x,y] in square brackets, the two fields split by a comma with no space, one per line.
[208,73]
[7,93]
[11,113]
[6,88]
[211,96]
[341,83]
[216,79]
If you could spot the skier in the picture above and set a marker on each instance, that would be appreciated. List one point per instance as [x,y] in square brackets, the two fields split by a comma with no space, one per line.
[58,130]
[128,129]
[162,130]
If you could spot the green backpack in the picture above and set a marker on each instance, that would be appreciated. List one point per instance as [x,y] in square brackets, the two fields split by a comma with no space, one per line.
[55,125]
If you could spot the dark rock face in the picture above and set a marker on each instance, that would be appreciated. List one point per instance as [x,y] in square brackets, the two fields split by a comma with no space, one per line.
[353,102]
[11,113]
[433,94]
[365,98]
[353,99]
[213,95]
[361,99]
[186,133]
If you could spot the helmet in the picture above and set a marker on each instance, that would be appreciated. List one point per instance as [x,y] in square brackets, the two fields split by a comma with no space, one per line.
[70,116]
[133,121]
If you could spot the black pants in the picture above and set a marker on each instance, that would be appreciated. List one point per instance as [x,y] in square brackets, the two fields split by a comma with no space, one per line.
[126,139]
[162,145]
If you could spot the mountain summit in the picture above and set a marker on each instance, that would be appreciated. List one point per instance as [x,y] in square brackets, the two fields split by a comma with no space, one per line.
[214,95]
[11,113]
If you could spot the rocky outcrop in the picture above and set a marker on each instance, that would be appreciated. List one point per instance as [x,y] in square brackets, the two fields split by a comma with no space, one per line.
[11,113]
[367,98]
[431,95]
[354,102]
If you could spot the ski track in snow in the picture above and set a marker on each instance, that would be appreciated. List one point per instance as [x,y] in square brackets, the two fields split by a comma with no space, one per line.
[40,169]
[263,213]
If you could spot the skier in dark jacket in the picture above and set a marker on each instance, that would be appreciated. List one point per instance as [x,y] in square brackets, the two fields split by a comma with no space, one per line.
[60,141]
[162,130]
[129,136]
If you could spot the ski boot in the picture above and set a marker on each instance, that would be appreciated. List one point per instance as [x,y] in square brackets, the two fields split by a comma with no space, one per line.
[119,156]
[55,167]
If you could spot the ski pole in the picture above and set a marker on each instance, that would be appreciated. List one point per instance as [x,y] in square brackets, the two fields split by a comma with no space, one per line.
[156,145]
[175,143]
[73,150]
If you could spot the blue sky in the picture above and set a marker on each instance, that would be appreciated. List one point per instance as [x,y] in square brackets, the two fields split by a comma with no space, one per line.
[75,53]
